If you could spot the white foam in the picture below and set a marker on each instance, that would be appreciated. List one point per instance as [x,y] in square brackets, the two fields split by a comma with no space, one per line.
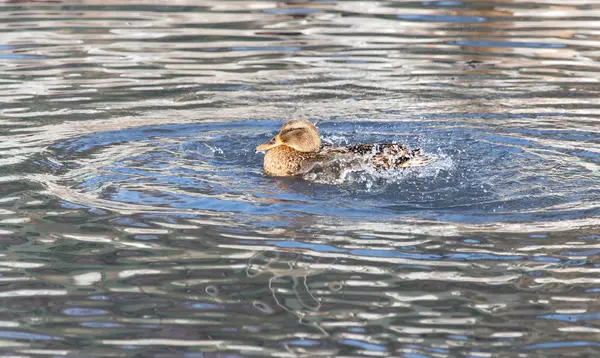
[370,179]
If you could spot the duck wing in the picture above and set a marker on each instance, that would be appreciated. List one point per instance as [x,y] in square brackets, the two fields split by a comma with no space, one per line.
[381,156]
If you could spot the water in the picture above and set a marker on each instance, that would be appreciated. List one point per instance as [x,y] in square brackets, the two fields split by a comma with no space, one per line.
[135,219]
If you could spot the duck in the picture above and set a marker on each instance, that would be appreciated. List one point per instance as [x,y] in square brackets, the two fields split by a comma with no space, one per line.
[297,149]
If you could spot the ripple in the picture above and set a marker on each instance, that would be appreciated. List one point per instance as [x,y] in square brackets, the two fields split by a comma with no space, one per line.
[133,209]
[477,177]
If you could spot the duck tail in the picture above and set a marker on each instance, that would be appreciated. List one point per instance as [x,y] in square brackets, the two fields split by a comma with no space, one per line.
[410,158]
[417,159]
[398,156]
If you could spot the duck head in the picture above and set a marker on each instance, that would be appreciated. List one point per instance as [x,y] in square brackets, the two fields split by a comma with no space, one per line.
[298,134]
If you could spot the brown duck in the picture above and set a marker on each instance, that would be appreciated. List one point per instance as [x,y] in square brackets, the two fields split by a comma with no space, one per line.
[297,149]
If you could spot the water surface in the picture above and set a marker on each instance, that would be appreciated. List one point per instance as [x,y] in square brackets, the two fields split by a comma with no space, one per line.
[135,219]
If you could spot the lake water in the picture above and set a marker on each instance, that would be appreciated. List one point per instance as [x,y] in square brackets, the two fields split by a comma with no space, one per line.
[135,219]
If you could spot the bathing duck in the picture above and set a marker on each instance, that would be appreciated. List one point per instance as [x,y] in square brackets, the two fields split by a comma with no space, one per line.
[297,149]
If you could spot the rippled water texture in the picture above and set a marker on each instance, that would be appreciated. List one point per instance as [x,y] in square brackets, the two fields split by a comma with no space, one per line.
[135,219]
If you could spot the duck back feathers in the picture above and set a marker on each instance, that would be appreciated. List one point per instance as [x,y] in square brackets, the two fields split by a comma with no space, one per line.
[286,161]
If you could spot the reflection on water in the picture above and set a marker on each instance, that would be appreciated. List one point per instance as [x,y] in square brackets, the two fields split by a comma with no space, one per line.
[135,218]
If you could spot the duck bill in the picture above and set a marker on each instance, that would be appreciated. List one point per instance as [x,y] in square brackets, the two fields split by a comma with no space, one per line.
[275,142]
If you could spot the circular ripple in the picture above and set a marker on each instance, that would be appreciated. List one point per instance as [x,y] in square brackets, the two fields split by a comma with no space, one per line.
[481,174]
